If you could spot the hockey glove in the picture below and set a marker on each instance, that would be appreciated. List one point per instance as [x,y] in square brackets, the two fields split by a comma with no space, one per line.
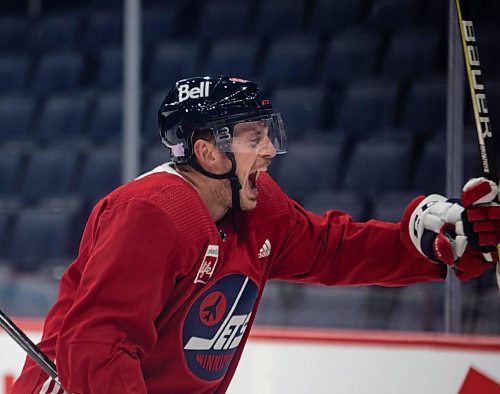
[432,226]
[481,217]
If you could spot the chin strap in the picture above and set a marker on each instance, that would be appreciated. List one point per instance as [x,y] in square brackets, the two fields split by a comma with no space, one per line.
[231,175]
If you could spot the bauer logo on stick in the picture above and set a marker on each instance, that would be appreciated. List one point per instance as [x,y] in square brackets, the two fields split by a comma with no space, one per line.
[475,73]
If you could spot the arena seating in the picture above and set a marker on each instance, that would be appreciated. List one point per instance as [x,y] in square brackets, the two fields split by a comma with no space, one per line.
[361,85]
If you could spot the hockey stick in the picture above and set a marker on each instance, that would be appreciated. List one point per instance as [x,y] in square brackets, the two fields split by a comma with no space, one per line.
[478,96]
[28,346]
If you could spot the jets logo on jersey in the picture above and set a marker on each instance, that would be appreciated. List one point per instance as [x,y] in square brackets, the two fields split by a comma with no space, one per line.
[265,251]
[185,92]
[208,264]
[215,325]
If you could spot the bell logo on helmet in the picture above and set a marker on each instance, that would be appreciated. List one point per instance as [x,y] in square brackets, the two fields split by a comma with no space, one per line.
[195,92]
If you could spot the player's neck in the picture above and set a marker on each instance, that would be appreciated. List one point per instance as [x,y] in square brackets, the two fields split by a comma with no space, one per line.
[211,192]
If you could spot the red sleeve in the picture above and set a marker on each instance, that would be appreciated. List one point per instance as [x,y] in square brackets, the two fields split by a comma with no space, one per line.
[334,250]
[124,285]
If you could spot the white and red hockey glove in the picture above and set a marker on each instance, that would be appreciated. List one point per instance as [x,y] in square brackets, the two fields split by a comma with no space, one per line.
[432,226]
[481,217]
[444,231]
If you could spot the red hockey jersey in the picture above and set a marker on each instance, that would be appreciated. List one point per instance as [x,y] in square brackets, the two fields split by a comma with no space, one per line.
[161,299]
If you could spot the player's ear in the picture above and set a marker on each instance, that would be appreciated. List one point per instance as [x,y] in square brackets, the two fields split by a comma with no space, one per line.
[206,153]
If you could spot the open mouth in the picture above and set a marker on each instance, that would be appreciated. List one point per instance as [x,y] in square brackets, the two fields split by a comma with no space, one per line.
[252,180]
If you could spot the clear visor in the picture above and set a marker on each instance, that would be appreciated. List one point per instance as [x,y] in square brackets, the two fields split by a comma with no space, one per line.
[263,135]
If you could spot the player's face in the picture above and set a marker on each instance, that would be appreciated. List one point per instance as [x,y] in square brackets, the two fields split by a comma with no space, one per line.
[253,151]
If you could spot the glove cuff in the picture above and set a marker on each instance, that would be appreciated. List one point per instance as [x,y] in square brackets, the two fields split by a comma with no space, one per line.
[431,226]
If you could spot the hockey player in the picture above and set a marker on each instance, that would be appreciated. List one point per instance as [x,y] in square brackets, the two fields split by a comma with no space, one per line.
[172,265]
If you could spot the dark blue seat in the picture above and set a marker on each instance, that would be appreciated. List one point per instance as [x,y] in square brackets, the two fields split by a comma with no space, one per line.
[235,57]
[487,42]
[29,295]
[221,19]
[4,231]
[389,207]
[171,62]
[486,307]
[59,31]
[328,307]
[154,156]
[106,4]
[309,166]
[492,88]
[14,33]
[101,173]
[15,118]
[47,233]
[13,73]
[425,107]
[301,109]
[109,68]
[419,307]
[351,56]
[150,133]
[58,72]
[290,60]
[391,15]
[271,311]
[379,165]
[433,16]
[368,105]
[472,165]
[484,12]
[334,16]
[104,29]
[430,172]
[411,54]
[62,119]
[279,17]
[50,172]
[106,123]
[160,22]
[347,202]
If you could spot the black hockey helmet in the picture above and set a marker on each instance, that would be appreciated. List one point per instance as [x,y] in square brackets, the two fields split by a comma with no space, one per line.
[216,104]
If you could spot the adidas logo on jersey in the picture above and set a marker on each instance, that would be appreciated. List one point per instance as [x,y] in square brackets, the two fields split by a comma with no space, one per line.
[195,92]
[265,251]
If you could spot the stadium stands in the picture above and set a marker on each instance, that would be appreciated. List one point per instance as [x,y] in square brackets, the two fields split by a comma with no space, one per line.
[10,171]
[63,119]
[50,172]
[171,61]
[232,57]
[361,85]
[16,113]
[379,165]
[350,56]
[14,72]
[310,165]
[106,122]
[222,19]
[48,234]
[100,173]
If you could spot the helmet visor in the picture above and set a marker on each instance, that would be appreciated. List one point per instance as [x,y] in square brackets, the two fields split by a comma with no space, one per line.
[263,135]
